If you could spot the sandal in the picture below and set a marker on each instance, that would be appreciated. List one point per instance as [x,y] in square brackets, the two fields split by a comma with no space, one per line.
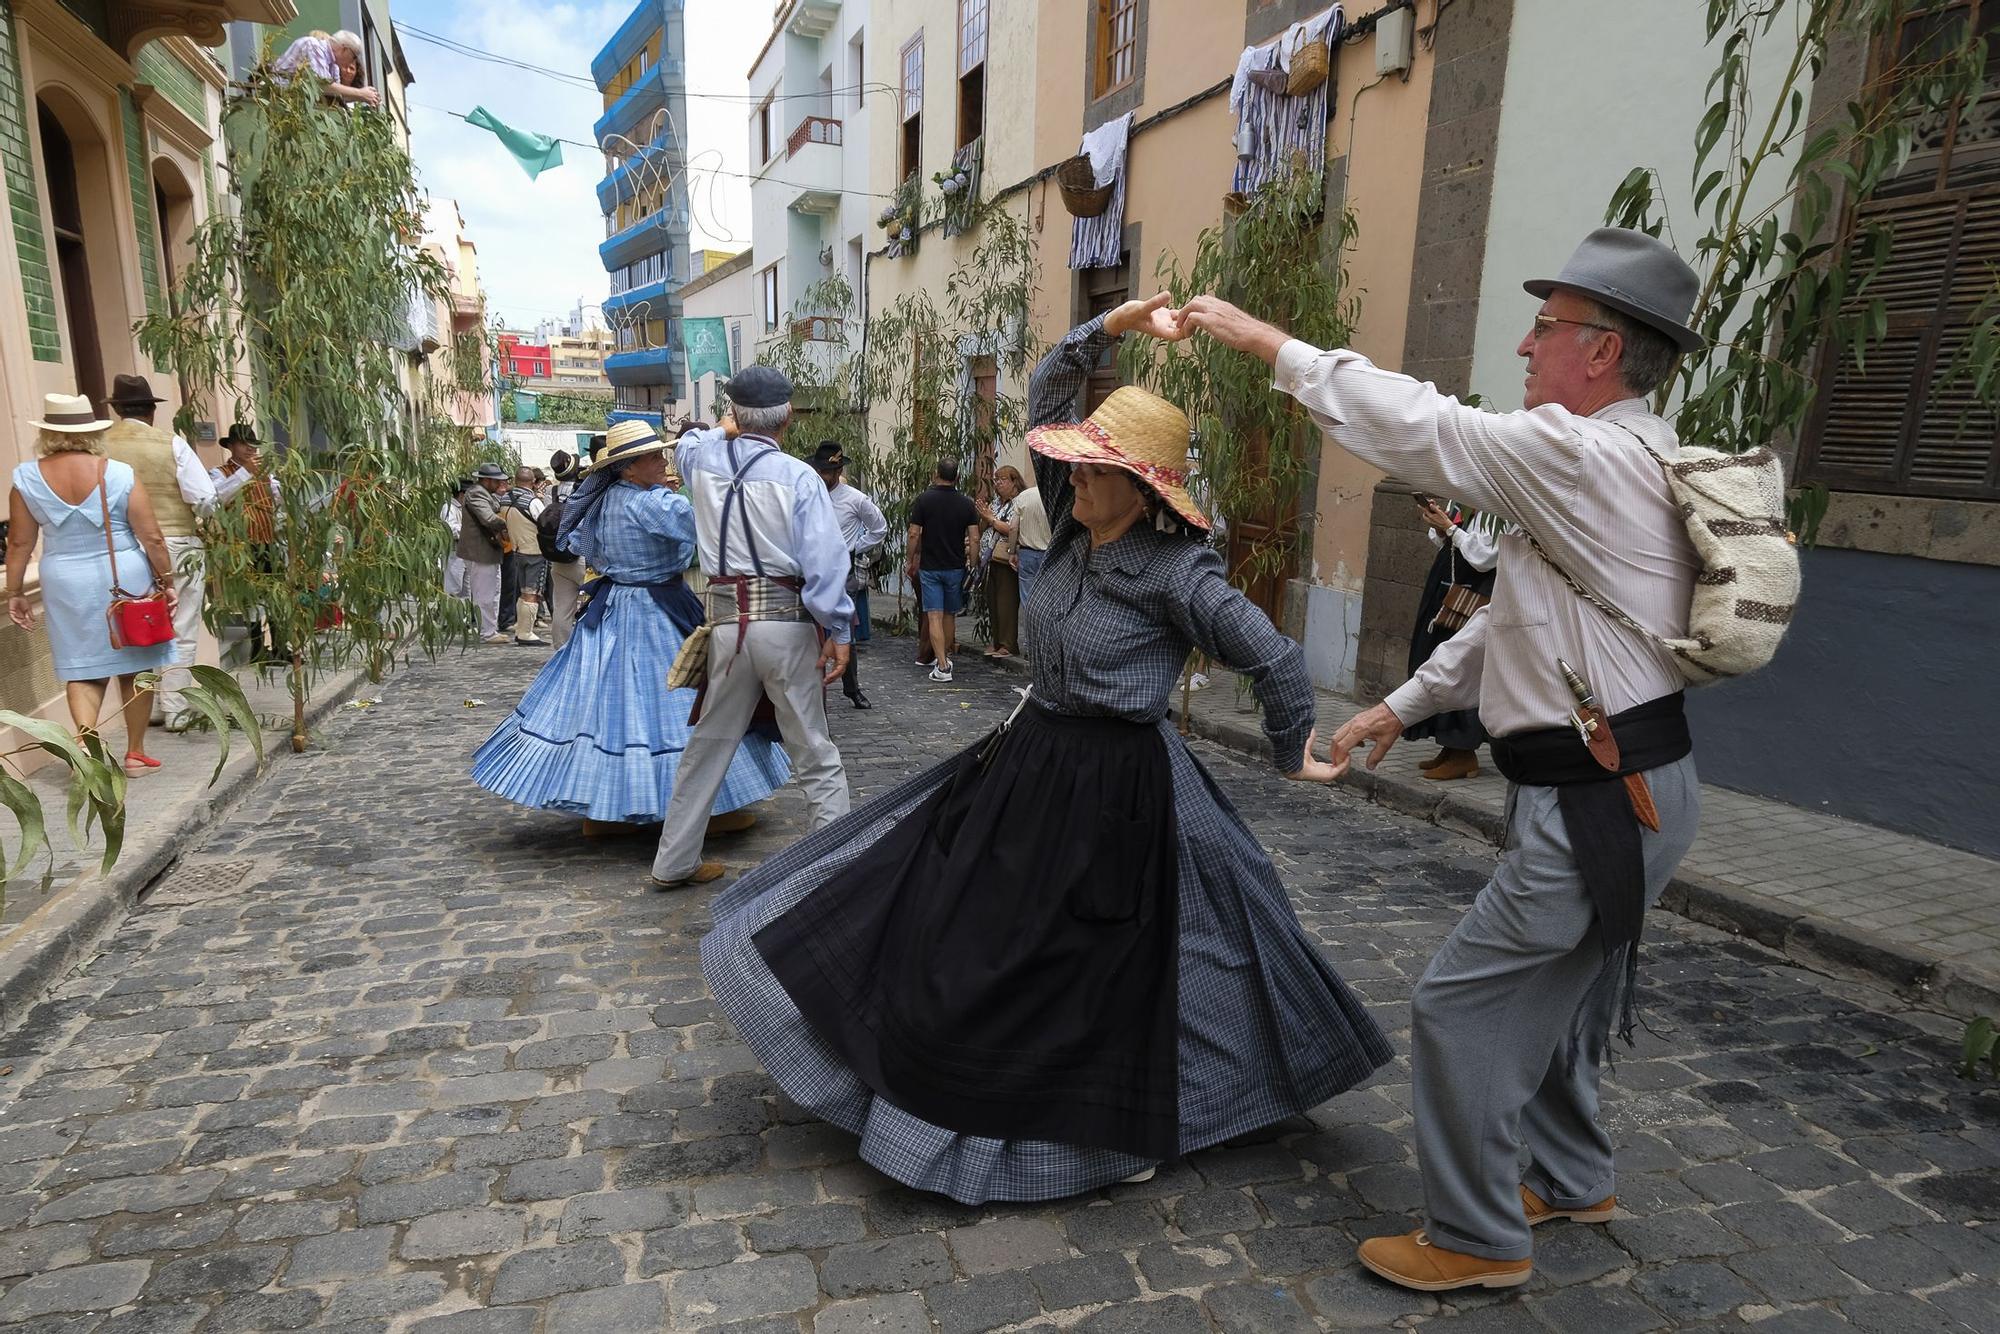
[138,765]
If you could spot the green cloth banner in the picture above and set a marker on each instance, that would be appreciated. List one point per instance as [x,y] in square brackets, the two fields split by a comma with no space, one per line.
[707,347]
[535,152]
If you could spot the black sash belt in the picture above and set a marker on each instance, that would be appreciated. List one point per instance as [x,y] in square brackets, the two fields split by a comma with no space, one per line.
[1604,834]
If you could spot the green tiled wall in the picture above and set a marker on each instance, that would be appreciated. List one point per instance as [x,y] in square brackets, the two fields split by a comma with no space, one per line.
[157,66]
[140,173]
[17,167]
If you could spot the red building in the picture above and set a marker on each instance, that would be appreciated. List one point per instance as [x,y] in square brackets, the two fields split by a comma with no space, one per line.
[521,360]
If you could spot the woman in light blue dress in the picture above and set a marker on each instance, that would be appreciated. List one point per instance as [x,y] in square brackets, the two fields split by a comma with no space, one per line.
[56,498]
[598,734]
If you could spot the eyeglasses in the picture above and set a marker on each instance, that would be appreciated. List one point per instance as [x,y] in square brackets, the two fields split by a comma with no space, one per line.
[1547,323]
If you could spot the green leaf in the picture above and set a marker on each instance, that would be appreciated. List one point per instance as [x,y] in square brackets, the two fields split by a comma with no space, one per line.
[1981,1039]
[19,798]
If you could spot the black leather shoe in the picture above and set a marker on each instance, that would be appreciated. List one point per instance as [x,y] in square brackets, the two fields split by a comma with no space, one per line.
[859,700]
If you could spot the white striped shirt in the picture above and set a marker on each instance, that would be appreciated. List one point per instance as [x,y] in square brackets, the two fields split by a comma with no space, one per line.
[1587,491]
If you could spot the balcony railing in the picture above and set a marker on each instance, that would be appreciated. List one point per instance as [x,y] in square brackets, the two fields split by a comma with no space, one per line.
[813,130]
[818,329]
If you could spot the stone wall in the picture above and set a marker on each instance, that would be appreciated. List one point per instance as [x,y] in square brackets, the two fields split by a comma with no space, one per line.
[1399,559]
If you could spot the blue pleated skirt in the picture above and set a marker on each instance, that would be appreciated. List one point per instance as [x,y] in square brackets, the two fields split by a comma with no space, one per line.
[598,734]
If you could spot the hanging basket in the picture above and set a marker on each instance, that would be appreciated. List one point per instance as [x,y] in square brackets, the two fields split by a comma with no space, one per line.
[1236,203]
[1081,194]
[1309,67]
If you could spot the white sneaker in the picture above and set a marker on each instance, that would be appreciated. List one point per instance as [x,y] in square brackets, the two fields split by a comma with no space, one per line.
[1139,1178]
[529,639]
[942,673]
[498,638]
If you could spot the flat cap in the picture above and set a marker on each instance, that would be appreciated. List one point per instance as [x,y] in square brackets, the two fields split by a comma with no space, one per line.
[759,387]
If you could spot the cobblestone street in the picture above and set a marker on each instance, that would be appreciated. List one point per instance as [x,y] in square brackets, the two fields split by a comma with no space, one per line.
[386,1053]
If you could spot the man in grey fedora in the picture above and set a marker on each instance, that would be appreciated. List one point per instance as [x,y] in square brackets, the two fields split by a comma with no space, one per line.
[1511,1021]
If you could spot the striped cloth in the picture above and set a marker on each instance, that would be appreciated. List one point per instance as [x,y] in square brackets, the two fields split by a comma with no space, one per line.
[1098,243]
[1273,130]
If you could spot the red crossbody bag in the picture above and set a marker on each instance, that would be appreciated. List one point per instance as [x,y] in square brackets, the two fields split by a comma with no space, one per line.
[134,622]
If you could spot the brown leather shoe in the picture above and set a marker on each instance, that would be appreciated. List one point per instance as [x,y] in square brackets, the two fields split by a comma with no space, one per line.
[700,875]
[1540,1211]
[731,822]
[1434,761]
[1459,764]
[1414,1261]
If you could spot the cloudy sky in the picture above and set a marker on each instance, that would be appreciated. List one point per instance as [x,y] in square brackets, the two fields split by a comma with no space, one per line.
[538,239]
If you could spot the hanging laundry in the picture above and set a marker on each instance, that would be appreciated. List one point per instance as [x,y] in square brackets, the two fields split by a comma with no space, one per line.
[535,152]
[1096,243]
[1273,130]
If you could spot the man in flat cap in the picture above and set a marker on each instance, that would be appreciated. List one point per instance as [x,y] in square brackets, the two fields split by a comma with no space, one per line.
[862,527]
[778,603]
[1510,1023]
[480,531]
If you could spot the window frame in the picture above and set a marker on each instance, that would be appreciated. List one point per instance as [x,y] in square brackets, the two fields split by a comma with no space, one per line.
[984,12]
[767,286]
[1103,79]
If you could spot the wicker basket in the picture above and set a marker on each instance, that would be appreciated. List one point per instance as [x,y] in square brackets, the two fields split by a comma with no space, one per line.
[1236,203]
[1309,67]
[1081,194]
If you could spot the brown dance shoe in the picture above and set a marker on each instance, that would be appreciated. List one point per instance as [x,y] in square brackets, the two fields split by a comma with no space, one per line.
[700,875]
[1459,764]
[1414,1261]
[1540,1211]
[732,822]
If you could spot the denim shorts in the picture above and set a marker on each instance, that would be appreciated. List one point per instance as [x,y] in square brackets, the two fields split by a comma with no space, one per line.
[943,590]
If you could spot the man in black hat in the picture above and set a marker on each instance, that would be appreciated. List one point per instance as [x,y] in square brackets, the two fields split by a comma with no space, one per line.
[1510,1022]
[479,546]
[777,598]
[244,482]
[862,527]
[182,492]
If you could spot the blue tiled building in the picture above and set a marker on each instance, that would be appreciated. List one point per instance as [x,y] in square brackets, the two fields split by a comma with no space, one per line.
[642,72]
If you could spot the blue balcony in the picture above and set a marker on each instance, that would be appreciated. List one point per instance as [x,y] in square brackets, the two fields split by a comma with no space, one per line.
[653,295]
[647,365]
[661,158]
[647,18]
[639,105]
[648,236]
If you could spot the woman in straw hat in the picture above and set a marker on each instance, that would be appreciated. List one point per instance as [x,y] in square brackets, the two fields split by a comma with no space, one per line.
[71,497]
[1001,1015]
[598,734]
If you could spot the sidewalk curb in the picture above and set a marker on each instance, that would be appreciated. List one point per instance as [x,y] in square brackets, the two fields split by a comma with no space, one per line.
[1813,942]
[63,931]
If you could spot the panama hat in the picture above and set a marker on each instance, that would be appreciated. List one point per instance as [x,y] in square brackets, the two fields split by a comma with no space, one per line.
[628,440]
[71,413]
[1137,432]
[1634,274]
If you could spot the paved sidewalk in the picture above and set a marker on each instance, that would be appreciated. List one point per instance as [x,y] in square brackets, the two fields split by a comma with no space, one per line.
[44,931]
[1826,891]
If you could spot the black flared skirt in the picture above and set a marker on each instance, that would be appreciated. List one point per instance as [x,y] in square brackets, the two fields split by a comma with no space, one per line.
[1003,961]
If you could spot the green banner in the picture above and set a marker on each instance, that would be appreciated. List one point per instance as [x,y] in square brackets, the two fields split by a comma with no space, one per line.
[707,347]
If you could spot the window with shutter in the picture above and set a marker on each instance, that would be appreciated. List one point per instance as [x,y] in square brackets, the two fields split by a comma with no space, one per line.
[1898,422]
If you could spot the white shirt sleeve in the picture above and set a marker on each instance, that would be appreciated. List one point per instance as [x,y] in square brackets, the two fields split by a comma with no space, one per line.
[197,488]
[1449,680]
[873,526]
[227,484]
[1525,466]
[1476,546]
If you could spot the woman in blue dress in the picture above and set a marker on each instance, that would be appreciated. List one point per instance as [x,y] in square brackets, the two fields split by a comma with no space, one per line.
[598,734]
[64,497]
[1060,957]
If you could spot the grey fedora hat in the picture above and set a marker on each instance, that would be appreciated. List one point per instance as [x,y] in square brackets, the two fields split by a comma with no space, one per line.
[1634,274]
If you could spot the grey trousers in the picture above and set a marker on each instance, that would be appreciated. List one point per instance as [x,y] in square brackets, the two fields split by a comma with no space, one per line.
[190,558]
[565,582]
[1491,1022]
[778,658]
[482,585]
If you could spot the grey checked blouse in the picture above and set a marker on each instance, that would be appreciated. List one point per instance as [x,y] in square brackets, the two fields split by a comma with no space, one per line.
[1112,628]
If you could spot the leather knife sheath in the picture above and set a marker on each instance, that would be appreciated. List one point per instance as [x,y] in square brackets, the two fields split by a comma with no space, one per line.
[1604,749]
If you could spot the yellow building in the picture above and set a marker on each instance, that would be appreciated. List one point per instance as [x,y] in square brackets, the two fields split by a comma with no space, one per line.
[110,148]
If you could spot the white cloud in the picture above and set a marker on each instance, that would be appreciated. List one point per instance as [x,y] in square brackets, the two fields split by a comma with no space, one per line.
[538,239]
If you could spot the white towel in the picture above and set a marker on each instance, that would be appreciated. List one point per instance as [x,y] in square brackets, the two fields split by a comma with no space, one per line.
[1106,147]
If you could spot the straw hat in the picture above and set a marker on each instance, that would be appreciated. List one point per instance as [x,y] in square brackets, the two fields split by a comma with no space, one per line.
[1135,431]
[70,413]
[629,440]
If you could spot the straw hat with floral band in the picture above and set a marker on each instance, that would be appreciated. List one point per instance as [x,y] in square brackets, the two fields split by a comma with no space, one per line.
[1135,432]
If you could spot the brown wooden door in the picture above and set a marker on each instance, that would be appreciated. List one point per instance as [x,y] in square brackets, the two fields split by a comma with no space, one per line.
[1104,290]
[1260,553]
